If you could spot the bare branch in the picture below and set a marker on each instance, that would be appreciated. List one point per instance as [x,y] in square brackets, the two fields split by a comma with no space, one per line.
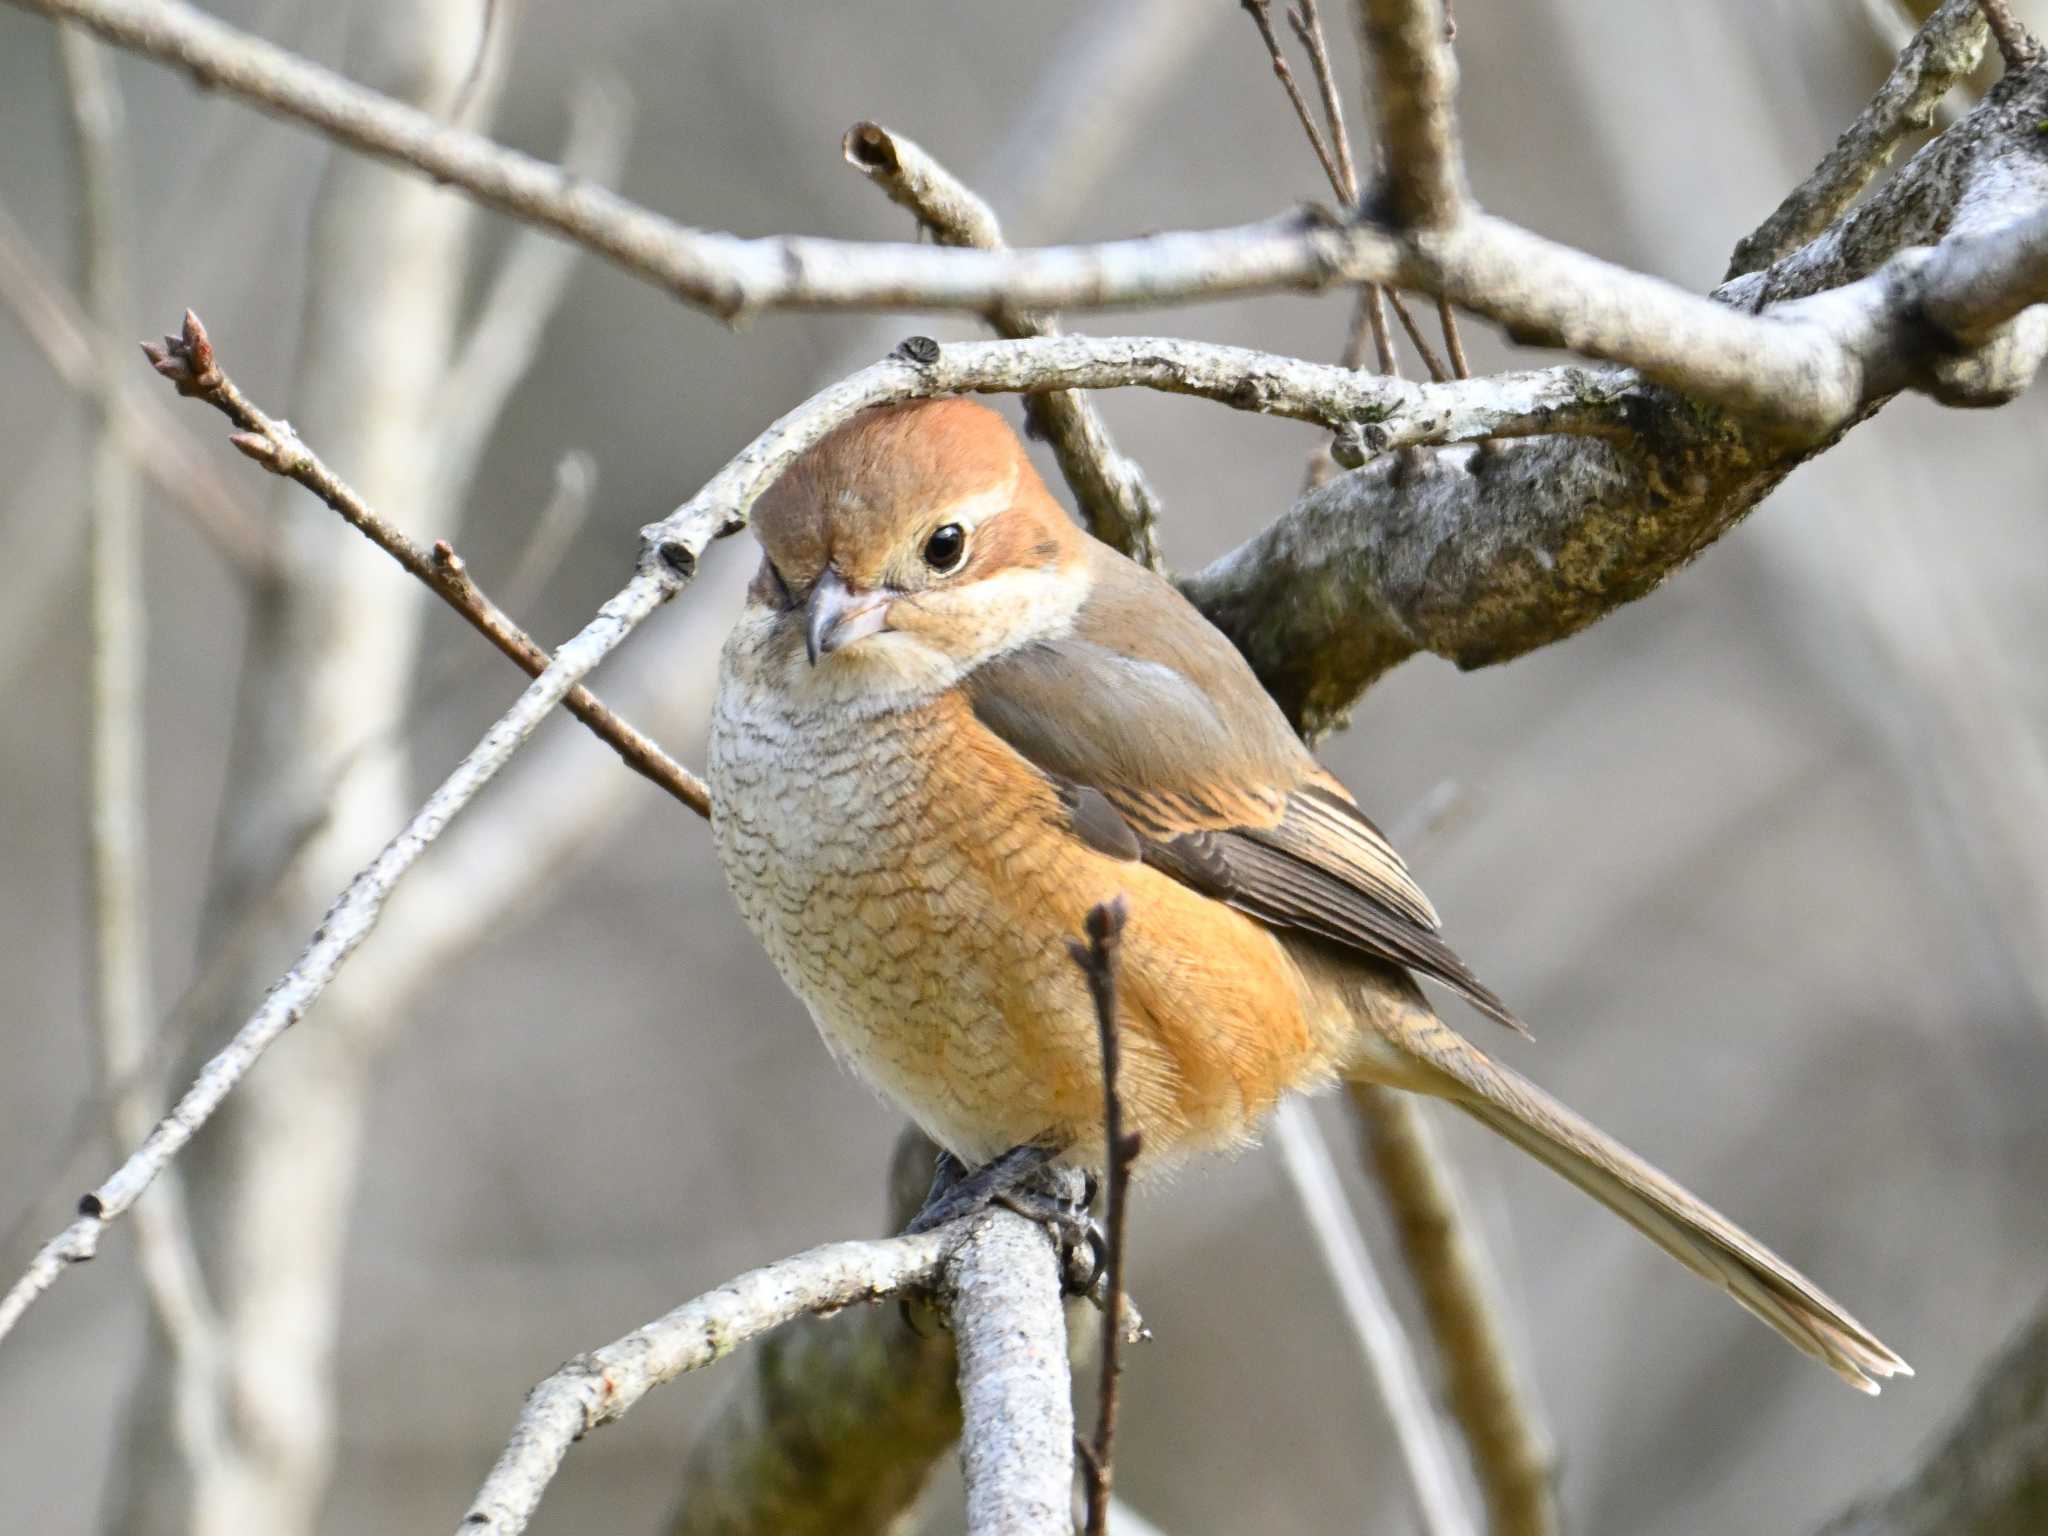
[1944,51]
[840,1422]
[1343,178]
[720,272]
[189,362]
[356,910]
[68,342]
[1806,373]
[2016,45]
[1447,321]
[1430,361]
[1973,284]
[1016,1404]
[599,1388]
[117,835]
[1306,17]
[1418,1434]
[1510,1453]
[1118,504]
[1499,552]
[1373,308]
[1407,44]
[1097,959]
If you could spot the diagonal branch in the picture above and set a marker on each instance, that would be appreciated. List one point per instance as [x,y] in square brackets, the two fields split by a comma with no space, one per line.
[1944,51]
[1117,502]
[1803,372]
[189,362]
[2016,45]
[599,1388]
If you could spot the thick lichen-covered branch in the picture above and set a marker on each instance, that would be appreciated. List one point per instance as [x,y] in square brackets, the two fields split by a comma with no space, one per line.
[1482,554]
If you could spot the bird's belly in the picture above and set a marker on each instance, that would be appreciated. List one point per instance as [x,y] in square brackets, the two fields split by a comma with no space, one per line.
[883,927]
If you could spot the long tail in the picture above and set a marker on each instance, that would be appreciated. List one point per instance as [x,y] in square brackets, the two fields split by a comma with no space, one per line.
[1687,1228]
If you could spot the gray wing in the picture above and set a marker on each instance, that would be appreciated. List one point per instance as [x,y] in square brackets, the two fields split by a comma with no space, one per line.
[1167,732]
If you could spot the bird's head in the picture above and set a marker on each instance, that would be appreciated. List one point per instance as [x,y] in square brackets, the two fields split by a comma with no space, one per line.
[903,550]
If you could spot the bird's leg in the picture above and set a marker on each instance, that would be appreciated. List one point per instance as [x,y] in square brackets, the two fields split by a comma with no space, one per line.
[1023,1180]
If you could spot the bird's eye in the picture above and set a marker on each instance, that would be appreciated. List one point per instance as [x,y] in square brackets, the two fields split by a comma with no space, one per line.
[942,551]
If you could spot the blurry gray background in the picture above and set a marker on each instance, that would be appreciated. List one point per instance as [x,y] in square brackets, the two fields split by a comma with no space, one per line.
[1719,850]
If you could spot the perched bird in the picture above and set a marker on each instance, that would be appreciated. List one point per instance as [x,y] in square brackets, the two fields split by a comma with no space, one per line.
[949,723]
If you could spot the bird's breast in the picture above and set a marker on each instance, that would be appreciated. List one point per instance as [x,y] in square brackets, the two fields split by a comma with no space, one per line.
[915,882]
[853,856]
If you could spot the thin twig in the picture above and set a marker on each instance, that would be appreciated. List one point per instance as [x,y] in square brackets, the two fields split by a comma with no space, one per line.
[1437,372]
[188,361]
[171,1277]
[1116,501]
[1261,13]
[665,568]
[1943,51]
[1306,18]
[2016,45]
[1374,307]
[1447,322]
[1097,959]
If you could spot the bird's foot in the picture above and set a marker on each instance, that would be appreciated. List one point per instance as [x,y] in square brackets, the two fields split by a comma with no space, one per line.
[1023,1180]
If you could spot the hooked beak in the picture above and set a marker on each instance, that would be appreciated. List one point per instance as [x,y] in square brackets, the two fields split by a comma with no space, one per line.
[835,616]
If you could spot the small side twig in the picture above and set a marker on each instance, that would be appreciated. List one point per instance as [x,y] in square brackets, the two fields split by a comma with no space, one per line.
[1341,174]
[1437,372]
[1447,322]
[1097,959]
[188,361]
[1116,501]
[2016,45]
[1306,19]
[1944,50]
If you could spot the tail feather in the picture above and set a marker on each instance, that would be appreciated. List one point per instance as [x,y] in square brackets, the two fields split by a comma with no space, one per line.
[1691,1231]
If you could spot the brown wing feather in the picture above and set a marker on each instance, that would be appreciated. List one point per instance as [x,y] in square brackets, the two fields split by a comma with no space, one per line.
[1160,717]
